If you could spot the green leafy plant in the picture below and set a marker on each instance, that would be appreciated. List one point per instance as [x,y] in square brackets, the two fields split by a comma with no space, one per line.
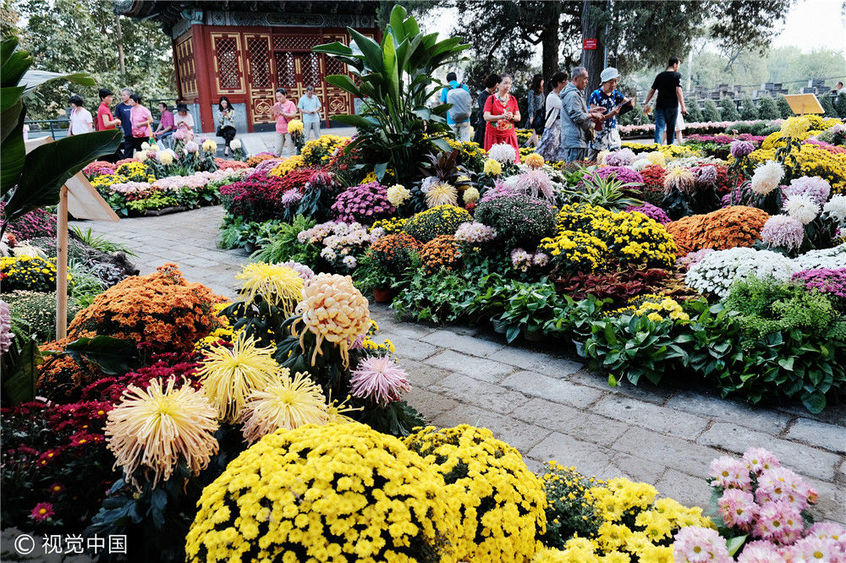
[396,128]
[280,244]
[608,192]
[100,243]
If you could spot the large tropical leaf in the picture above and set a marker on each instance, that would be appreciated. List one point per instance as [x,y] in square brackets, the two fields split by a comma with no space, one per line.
[12,152]
[32,79]
[49,166]
[370,49]
[344,82]
[389,61]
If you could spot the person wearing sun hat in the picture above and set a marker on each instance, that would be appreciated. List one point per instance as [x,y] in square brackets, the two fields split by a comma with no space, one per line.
[610,100]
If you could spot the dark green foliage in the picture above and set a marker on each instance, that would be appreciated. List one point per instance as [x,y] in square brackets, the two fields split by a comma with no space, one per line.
[280,244]
[694,114]
[767,108]
[710,112]
[828,106]
[748,111]
[728,110]
[519,220]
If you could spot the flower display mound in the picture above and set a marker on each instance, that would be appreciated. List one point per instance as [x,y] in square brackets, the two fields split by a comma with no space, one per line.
[160,309]
[440,220]
[520,220]
[500,501]
[364,204]
[338,492]
[725,228]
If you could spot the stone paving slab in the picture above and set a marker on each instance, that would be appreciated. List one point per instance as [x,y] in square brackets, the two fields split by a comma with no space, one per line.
[545,404]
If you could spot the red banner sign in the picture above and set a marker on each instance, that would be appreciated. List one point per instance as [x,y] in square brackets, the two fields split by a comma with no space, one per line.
[588,44]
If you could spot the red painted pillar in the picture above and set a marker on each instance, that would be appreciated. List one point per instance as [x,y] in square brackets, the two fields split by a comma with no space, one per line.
[204,69]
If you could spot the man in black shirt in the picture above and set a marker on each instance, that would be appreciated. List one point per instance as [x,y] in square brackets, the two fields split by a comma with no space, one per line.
[670,98]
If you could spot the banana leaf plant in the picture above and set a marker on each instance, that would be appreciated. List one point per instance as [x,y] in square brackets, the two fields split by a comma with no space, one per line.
[395,80]
[29,181]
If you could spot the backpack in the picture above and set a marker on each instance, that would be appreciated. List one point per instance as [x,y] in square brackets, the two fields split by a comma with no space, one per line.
[461,102]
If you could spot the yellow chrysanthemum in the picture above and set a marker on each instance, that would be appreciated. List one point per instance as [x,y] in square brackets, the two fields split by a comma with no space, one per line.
[441,193]
[295,126]
[288,403]
[333,310]
[231,375]
[153,429]
[471,195]
[209,145]
[276,284]
[795,128]
[291,163]
[492,167]
[534,160]
[398,194]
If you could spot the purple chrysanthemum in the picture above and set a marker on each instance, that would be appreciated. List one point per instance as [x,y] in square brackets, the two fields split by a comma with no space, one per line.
[379,379]
[536,182]
[652,211]
[831,281]
[291,197]
[302,270]
[783,231]
[621,173]
[622,157]
[812,186]
[739,149]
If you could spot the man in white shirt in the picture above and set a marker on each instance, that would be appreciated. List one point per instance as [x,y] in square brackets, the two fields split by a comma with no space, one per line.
[81,121]
[310,106]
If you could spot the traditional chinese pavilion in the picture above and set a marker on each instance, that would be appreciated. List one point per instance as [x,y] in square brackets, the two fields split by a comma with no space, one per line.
[245,50]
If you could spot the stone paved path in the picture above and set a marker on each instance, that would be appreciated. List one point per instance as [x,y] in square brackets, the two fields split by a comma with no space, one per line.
[546,405]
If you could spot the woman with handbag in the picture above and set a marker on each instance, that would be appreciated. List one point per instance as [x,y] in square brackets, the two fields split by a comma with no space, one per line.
[226,122]
[536,115]
[551,138]
[501,113]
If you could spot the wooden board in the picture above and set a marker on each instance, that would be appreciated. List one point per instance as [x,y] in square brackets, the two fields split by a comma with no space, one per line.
[804,103]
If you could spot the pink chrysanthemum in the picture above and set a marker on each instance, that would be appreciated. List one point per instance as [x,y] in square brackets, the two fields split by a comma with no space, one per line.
[760,552]
[379,379]
[695,544]
[291,197]
[730,473]
[42,511]
[780,483]
[829,530]
[779,521]
[738,508]
[759,459]
[813,548]
[5,327]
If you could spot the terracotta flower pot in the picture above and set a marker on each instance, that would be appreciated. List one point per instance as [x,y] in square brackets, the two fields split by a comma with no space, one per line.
[383,295]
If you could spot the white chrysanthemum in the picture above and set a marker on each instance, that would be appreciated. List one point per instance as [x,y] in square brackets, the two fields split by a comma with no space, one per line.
[825,258]
[398,194]
[640,164]
[767,177]
[836,208]
[503,153]
[801,208]
[717,271]
[235,144]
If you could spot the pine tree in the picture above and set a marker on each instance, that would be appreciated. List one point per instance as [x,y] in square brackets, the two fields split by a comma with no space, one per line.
[767,108]
[828,106]
[710,112]
[748,110]
[728,110]
[694,114]
[840,104]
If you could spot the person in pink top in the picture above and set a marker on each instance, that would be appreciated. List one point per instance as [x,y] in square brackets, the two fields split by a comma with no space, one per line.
[141,119]
[284,110]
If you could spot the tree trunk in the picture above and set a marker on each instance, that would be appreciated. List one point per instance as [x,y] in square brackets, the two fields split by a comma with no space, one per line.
[121,60]
[592,58]
[550,39]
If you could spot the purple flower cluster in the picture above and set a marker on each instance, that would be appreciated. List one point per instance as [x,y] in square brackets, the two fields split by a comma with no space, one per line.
[621,173]
[740,149]
[622,157]
[705,176]
[831,281]
[651,211]
[36,223]
[499,190]
[363,204]
[721,139]
[812,186]
[783,231]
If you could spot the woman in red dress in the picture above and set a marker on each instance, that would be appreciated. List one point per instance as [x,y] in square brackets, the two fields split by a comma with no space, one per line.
[501,113]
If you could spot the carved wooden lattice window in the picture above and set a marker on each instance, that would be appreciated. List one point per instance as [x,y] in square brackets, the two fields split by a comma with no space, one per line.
[311,69]
[334,66]
[185,67]
[285,70]
[227,63]
[259,63]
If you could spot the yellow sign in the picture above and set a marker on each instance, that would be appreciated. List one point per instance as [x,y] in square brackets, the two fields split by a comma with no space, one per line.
[804,103]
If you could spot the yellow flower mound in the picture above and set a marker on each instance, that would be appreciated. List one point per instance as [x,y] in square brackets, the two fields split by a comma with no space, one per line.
[340,492]
[656,307]
[287,165]
[334,311]
[501,502]
[320,151]
[295,126]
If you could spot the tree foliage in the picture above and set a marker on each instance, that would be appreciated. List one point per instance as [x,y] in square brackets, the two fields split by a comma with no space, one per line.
[82,35]
[748,111]
[767,108]
[728,110]
[710,112]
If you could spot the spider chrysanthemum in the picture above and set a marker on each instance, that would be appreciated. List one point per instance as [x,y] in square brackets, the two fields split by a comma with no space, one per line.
[230,375]
[288,403]
[275,283]
[379,379]
[153,429]
[441,193]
